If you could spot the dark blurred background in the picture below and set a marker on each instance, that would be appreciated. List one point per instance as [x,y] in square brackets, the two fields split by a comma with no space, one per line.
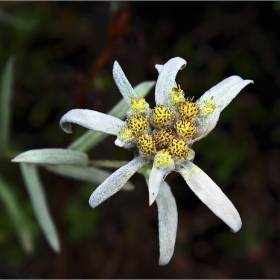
[64,53]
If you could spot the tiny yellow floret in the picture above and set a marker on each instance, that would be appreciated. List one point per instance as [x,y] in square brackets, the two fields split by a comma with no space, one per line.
[176,95]
[125,133]
[146,144]
[163,137]
[163,158]
[185,129]
[207,106]
[178,149]
[137,124]
[161,115]
[138,104]
[188,109]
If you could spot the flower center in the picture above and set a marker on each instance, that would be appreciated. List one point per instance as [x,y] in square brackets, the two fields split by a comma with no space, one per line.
[188,109]
[137,124]
[146,144]
[185,129]
[161,115]
[163,137]
[161,133]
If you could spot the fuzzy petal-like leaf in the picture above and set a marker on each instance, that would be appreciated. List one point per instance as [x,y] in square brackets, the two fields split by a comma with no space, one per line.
[225,91]
[92,120]
[167,223]
[52,156]
[123,84]
[91,138]
[211,195]
[159,67]
[166,79]
[222,94]
[206,125]
[155,180]
[167,219]
[116,181]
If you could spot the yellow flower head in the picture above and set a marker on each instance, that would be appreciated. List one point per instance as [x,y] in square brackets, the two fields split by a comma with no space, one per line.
[207,106]
[138,104]
[178,149]
[176,95]
[188,109]
[125,133]
[185,129]
[163,158]
[161,115]
[163,137]
[146,144]
[137,124]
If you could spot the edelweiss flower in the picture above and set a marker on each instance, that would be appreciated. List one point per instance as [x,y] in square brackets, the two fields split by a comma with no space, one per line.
[164,136]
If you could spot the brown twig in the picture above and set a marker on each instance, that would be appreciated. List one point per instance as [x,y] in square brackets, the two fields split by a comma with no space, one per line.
[117,27]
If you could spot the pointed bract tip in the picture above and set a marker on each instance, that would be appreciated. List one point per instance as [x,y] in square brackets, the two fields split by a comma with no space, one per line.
[237,227]
[91,202]
[118,143]
[152,199]
[163,262]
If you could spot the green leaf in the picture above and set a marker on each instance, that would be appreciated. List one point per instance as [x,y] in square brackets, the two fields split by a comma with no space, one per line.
[108,163]
[39,203]
[5,103]
[86,174]
[144,88]
[52,156]
[145,171]
[17,217]
[16,22]
[91,138]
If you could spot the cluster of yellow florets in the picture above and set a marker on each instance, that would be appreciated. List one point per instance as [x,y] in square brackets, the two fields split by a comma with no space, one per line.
[188,109]
[137,124]
[207,106]
[178,149]
[125,133]
[176,95]
[146,144]
[161,115]
[185,129]
[163,133]
[163,137]
[138,104]
[163,158]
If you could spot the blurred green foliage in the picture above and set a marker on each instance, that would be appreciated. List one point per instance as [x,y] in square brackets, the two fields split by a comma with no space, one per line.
[80,219]
[54,45]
